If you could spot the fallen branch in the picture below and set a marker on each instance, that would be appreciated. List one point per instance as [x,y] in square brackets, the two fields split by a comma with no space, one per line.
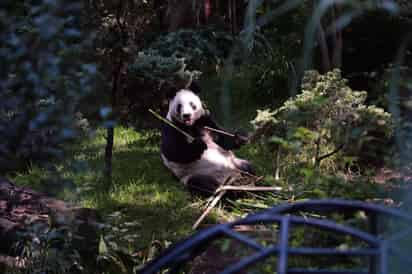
[248,188]
[190,138]
[209,208]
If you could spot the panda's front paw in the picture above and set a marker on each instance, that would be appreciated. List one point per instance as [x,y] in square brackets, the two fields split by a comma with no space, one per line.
[200,144]
[241,139]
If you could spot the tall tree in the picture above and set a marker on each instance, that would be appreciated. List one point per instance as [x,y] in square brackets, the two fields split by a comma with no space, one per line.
[120,26]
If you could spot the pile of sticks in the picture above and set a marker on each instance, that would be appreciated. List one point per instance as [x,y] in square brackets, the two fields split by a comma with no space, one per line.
[232,185]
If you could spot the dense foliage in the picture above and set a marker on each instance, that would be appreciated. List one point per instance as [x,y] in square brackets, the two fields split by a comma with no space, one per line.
[43,74]
[198,47]
[326,119]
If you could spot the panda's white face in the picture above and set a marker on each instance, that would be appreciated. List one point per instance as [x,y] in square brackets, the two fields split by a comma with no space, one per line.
[186,107]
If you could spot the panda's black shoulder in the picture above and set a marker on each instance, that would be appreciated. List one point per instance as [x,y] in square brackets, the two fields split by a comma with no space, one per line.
[170,135]
[176,148]
[203,120]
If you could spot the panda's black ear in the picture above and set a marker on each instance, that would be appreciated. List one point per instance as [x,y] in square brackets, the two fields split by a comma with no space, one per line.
[171,93]
[195,87]
[206,111]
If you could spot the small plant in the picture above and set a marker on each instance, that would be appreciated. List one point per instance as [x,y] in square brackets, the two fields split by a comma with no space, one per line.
[49,249]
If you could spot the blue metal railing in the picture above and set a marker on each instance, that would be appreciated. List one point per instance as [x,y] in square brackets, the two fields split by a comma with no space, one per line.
[375,247]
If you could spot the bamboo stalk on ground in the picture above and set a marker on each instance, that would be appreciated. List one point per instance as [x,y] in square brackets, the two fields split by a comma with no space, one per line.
[248,188]
[209,208]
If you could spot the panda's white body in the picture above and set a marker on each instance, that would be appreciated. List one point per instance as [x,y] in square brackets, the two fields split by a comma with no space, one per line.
[212,161]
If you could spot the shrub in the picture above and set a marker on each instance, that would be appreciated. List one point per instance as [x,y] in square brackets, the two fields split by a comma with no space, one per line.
[327,119]
[198,47]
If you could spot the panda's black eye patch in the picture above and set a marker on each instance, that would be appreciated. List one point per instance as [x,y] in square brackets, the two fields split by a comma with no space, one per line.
[193,105]
[179,108]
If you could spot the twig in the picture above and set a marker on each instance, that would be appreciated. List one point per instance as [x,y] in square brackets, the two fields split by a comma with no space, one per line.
[209,208]
[320,158]
[257,178]
[190,138]
[222,191]
[220,131]
[277,170]
[248,188]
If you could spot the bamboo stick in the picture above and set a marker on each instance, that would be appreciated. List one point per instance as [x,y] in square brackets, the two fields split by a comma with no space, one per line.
[220,131]
[209,208]
[190,138]
[248,188]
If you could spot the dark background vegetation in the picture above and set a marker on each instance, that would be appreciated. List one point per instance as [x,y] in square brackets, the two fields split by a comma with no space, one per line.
[77,79]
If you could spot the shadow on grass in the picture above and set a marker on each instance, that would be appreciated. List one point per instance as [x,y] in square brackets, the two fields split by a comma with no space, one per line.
[142,191]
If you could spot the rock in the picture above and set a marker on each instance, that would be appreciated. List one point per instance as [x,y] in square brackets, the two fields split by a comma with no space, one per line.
[22,210]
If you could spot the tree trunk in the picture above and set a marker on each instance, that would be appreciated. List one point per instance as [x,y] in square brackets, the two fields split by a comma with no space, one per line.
[337,40]
[324,51]
[234,16]
[323,44]
[108,153]
[207,10]
[180,15]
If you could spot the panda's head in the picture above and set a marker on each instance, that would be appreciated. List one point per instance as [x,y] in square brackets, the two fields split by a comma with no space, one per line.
[185,107]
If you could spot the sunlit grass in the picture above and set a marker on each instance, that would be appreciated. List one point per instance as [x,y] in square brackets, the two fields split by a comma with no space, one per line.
[143,189]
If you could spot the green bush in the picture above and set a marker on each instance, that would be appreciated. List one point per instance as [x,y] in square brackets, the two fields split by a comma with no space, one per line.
[327,122]
[198,47]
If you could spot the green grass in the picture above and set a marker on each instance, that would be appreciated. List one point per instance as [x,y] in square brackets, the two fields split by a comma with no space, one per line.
[146,203]
[143,191]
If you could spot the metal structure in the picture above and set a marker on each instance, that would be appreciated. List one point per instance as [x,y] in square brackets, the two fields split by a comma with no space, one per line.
[376,246]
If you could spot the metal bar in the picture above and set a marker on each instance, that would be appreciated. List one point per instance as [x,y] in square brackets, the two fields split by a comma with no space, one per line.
[235,268]
[283,245]
[325,205]
[174,254]
[373,229]
[324,271]
[244,239]
[384,258]
[328,225]
[307,251]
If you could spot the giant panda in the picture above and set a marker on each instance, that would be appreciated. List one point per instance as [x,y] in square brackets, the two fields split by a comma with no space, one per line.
[207,162]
